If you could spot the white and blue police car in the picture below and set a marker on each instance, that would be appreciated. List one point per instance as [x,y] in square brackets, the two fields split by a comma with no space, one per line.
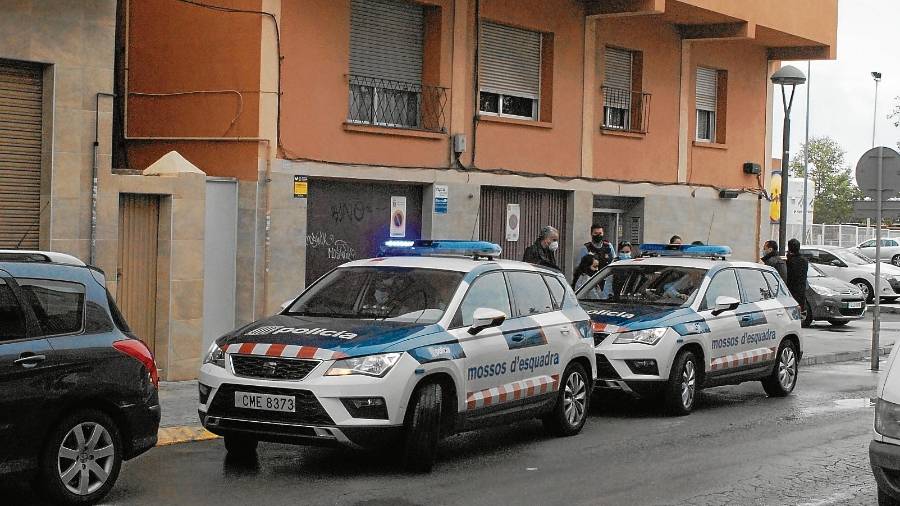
[683,318]
[404,349]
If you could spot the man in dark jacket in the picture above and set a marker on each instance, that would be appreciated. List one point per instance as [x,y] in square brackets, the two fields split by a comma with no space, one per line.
[797,268]
[598,246]
[543,251]
[770,257]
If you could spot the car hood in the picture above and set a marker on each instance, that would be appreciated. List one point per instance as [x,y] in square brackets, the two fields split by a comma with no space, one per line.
[320,337]
[886,269]
[620,317]
[834,284]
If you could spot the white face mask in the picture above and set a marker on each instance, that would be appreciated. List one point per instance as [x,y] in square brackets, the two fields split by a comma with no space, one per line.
[553,246]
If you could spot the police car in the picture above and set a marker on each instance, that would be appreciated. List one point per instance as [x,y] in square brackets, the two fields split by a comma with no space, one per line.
[684,318]
[405,348]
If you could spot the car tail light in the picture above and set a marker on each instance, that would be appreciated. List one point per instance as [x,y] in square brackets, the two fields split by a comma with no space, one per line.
[139,351]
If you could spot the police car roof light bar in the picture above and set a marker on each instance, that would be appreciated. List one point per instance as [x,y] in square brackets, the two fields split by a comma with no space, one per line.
[428,247]
[685,250]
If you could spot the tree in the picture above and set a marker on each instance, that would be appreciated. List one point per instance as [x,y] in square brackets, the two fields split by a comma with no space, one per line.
[835,190]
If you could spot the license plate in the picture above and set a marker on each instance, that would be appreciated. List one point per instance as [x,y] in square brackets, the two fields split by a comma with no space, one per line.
[854,305]
[247,400]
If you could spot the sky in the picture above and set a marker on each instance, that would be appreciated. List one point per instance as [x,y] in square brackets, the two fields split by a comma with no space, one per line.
[842,92]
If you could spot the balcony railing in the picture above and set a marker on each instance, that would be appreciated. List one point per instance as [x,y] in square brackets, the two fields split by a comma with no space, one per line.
[625,110]
[397,104]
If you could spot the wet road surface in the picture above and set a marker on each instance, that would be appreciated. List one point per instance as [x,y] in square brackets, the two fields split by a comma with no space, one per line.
[739,447]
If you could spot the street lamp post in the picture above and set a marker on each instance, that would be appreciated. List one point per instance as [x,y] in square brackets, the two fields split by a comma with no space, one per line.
[876,76]
[786,76]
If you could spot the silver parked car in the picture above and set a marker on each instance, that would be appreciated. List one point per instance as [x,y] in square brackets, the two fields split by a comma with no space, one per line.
[831,299]
[890,250]
[852,266]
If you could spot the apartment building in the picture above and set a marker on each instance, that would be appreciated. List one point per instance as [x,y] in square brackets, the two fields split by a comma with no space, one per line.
[252,145]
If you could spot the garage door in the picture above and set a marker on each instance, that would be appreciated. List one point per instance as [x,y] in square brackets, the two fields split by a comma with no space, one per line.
[350,220]
[21,88]
[536,209]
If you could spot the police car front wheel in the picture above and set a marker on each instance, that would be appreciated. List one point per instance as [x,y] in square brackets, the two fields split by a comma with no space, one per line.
[572,404]
[783,378]
[423,428]
[682,388]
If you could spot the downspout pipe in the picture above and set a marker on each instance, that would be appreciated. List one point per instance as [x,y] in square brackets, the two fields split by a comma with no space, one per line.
[95,169]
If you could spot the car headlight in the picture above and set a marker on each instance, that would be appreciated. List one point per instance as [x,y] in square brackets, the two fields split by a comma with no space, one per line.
[823,290]
[647,336]
[215,356]
[887,419]
[372,365]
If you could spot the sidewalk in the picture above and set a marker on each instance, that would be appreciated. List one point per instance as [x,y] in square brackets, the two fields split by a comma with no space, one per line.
[823,344]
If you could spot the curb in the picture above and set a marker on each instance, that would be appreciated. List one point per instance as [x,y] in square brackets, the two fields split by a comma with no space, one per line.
[182,434]
[885,309]
[843,356]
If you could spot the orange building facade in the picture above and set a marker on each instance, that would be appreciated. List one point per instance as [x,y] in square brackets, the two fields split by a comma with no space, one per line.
[302,127]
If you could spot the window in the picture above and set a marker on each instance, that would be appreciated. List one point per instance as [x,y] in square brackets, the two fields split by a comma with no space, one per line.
[723,285]
[868,244]
[622,97]
[509,71]
[530,292]
[488,291]
[58,305]
[710,96]
[818,256]
[755,286]
[12,322]
[660,285]
[558,291]
[775,284]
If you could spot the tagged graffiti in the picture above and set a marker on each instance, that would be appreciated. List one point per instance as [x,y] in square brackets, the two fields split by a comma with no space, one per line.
[341,251]
[354,211]
[319,239]
[337,249]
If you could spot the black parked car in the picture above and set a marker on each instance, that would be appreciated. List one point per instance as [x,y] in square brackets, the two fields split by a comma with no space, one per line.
[78,392]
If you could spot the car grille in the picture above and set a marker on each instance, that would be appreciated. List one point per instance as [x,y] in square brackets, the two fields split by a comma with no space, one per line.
[309,411]
[272,367]
[605,370]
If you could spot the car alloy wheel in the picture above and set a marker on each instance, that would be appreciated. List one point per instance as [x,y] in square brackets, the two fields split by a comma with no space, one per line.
[787,367]
[864,288]
[85,458]
[575,399]
[688,384]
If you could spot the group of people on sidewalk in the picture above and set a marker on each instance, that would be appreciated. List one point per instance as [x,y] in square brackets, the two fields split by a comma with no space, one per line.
[598,253]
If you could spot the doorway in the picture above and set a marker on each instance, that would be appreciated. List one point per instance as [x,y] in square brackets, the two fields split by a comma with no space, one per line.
[138,253]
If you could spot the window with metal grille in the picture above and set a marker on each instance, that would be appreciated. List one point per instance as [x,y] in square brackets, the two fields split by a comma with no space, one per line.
[509,71]
[706,101]
[617,88]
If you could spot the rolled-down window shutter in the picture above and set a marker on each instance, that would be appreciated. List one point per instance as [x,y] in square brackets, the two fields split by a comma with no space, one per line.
[618,69]
[510,60]
[706,89]
[386,40]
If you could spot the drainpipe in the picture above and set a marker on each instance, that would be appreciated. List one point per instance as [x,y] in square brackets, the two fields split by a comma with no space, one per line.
[94,170]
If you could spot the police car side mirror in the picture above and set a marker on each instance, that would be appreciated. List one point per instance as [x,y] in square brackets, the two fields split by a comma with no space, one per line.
[483,318]
[725,303]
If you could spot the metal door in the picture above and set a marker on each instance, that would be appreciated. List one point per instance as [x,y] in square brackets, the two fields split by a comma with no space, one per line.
[138,252]
[21,110]
[219,259]
[350,220]
[537,208]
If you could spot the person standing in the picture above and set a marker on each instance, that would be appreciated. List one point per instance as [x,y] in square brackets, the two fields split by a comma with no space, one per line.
[625,251]
[797,268]
[543,251]
[598,246]
[772,259]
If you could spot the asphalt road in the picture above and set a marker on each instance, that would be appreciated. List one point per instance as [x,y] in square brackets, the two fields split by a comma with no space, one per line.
[739,447]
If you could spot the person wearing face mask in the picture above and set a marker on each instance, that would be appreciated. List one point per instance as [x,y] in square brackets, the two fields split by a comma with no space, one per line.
[543,251]
[771,258]
[588,266]
[625,251]
[598,246]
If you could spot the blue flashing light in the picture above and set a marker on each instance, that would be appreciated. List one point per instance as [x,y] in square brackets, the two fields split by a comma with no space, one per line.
[424,247]
[706,250]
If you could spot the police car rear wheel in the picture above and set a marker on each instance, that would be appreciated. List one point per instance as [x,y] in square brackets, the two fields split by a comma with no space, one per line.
[240,446]
[681,391]
[783,378]
[423,428]
[572,404]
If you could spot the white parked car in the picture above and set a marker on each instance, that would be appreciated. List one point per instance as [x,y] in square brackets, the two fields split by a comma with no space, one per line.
[890,250]
[884,450]
[851,265]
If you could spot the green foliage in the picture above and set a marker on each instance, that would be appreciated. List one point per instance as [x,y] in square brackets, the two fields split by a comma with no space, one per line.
[835,190]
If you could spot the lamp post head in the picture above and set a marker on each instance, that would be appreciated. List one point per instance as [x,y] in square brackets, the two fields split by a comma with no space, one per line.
[788,76]
[876,76]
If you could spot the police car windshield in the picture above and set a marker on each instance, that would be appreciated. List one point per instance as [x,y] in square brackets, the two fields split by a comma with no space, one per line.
[660,285]
[398,294]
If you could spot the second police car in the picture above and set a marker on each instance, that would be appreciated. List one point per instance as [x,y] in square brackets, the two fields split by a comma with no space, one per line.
[405,349]
[684,318]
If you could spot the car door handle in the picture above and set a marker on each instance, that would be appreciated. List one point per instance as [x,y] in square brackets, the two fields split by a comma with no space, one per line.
[29,361]
[745,318]
[564,330]
[517,338]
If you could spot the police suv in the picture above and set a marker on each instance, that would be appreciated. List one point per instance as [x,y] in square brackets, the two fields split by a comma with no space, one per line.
[405,348]
[682,318]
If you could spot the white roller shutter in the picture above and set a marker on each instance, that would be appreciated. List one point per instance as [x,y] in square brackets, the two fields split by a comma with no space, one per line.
[21,109]
[618,69]
[386,40]
[510,60]
[706,89]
